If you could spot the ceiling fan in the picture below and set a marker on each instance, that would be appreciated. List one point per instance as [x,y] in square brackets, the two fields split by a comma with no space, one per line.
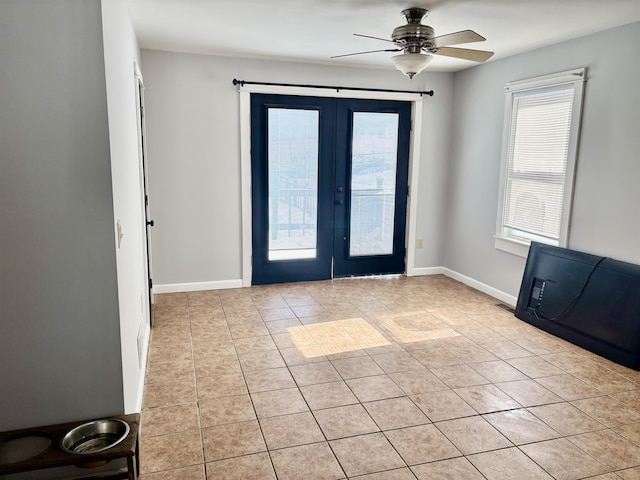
[418,44]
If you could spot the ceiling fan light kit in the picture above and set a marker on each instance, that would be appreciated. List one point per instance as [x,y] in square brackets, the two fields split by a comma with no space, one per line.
[418,44]
[411,63]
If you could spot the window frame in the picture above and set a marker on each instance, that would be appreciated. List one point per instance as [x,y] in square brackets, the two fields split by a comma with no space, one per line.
[577,77]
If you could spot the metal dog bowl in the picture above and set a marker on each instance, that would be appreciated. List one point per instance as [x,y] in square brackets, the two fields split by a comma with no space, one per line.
[94,437]
[22,447]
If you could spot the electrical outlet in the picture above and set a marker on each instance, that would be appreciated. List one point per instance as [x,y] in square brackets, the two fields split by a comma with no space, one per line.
[419,242]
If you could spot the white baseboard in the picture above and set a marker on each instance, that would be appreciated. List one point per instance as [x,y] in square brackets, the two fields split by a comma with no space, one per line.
[471,282]
[197,286]
[143,371]
[416,272]
[223,284]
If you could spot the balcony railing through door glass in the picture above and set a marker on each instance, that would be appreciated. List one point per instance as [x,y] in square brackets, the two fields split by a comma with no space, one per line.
[374,154]
[293,183]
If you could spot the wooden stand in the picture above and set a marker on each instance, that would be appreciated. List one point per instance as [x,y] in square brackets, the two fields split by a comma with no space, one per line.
[54,456]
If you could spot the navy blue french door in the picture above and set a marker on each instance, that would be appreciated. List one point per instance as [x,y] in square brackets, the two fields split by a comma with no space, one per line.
[329,187]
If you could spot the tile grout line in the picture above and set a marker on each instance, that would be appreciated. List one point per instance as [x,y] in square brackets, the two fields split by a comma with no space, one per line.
[195,383]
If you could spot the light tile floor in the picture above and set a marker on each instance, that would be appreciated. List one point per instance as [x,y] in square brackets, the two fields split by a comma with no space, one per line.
[377,378]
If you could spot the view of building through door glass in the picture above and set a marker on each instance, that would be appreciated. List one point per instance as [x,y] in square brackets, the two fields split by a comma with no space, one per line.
[374,154]
[293,183]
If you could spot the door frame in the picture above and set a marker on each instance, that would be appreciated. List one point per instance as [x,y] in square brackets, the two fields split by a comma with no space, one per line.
[245,92]
[144,189]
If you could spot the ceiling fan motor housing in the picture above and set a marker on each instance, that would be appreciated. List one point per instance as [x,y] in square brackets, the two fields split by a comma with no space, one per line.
[414,35]
[412,30]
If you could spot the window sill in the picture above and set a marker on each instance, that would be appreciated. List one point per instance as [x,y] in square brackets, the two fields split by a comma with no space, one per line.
[514,247]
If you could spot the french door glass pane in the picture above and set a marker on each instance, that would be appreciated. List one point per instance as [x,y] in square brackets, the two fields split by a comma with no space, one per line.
[293,183]
[374,154]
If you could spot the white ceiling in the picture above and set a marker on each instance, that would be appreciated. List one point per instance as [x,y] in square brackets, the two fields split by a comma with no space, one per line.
[313,30]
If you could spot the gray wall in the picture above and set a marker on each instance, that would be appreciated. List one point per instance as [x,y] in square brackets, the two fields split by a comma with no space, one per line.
[194,156]
[606,214]
[59,329]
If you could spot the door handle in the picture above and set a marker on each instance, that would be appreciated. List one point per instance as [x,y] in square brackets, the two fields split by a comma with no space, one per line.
[150,223]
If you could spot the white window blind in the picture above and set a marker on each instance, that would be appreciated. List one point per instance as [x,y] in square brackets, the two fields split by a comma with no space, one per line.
[542,119]
[537,163]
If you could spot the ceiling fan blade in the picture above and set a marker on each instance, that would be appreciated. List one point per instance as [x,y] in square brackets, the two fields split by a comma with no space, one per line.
[370,51]
[375,38]
[465,36]
[464,53]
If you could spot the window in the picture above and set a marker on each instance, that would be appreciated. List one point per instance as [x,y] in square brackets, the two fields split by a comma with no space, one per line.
[542,123]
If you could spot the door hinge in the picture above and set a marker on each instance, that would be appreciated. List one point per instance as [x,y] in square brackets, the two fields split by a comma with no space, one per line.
[150,284]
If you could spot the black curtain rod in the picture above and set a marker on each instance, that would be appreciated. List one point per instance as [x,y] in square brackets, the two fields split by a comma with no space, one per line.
[242,83]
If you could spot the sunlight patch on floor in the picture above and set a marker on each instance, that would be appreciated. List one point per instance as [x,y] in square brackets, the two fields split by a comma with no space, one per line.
[404,332]
[351,334]
[337,336]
